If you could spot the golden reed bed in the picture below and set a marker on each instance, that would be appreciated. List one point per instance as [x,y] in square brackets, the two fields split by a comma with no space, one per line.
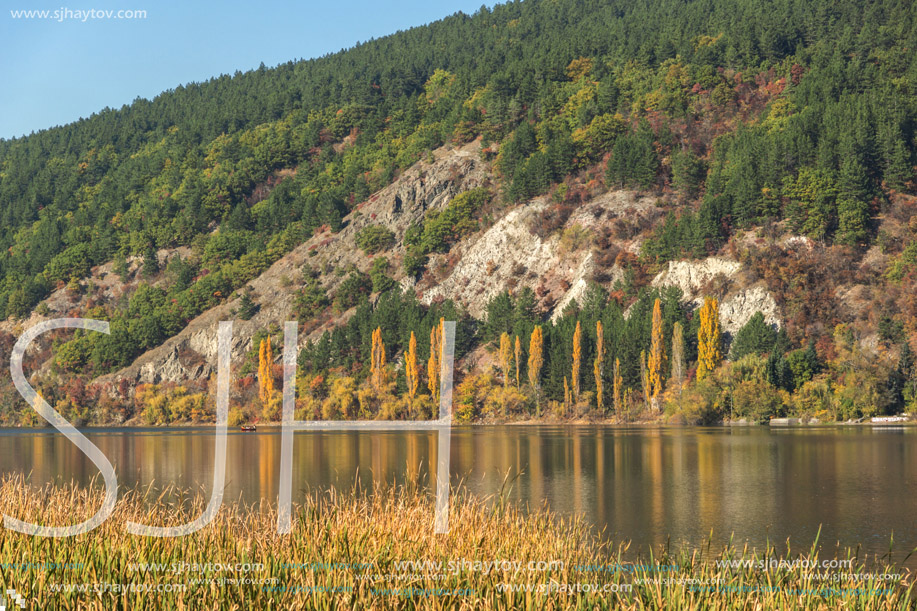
[377,550]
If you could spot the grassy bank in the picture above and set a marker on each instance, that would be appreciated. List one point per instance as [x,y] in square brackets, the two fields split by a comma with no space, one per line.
[345,551]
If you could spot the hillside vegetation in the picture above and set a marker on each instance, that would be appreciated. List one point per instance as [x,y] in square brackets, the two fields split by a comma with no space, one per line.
[776,135]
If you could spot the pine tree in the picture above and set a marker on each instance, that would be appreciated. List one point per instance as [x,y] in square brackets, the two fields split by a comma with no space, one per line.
[852,221]
[265,373]
[599,365]
[678,357]
[577,359]
[121,267]
[518,359]
[755,337]
[150,262]
[852,205]
[777,370]
[657,357]
[899,169]
[506,357]
[709,338]
[411,373]
[536,360]
[247,306]
[617,387]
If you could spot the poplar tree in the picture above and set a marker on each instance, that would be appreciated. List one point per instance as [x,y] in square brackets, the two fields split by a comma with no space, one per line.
[518,359]
[567,397]
[506,357]
[644,377]
[265,375]
[678,357]
[377,361]
[536,360]
[410,368]
[709,338]
[657,355]
[599,365]
[434,363]
[617,383]
[577,359]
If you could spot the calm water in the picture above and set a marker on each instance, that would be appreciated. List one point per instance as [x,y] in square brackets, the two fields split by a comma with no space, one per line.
[646,485]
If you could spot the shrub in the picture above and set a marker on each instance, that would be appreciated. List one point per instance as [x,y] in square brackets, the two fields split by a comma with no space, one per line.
[756,400]
[354,288]
[375,238]
[379,275]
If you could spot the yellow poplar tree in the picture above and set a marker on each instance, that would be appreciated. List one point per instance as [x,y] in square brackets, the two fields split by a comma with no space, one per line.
[709,339]
[617,383]
[657,357]
[410,367]
[518,359]
[265,375]
[536,360]
[599,365]
[577,359]
[435,361]
[506,357]
[377,362]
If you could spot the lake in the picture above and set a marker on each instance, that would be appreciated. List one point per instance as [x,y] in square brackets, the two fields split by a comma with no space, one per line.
[648,485]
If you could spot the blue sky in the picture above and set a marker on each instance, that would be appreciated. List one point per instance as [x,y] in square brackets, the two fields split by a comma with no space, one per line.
[55,71]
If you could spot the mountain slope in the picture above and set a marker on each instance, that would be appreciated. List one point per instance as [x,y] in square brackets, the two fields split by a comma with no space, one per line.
[551,163]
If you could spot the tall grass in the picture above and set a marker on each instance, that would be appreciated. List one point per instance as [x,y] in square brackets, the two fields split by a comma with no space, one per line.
[343,550]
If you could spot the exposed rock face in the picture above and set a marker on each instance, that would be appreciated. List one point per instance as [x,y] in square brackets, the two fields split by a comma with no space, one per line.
[507,255]
[737,308]
[507,250]
[510,255]
[192,354]
[739,304]
[692,276]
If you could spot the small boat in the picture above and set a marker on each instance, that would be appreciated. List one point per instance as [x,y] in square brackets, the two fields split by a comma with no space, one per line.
[247,428]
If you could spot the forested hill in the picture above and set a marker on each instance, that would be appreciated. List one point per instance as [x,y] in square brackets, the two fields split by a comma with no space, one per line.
[786,116]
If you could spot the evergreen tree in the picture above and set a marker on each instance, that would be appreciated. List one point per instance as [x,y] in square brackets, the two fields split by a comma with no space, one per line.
[755,337]
[777,370]
[899,169]
[247,306]
[150,262]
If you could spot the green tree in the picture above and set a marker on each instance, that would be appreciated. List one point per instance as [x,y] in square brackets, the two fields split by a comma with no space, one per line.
[247,306]
[755,337]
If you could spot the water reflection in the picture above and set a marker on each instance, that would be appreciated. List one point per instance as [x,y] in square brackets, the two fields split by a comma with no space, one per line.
[647,485]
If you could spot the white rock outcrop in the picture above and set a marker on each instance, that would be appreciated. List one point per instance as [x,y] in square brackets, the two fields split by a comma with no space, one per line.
[739,304]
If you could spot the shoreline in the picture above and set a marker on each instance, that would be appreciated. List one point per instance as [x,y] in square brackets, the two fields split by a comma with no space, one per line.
[514,423]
